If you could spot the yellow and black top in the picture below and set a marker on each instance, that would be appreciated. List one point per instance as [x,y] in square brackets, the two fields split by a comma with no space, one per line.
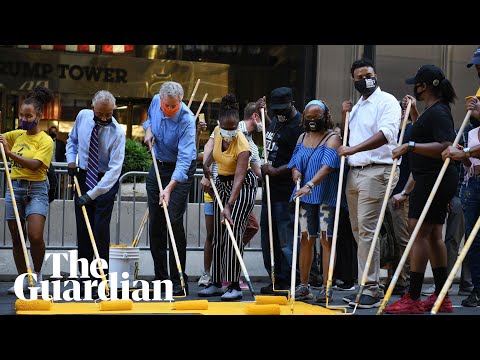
[35,147]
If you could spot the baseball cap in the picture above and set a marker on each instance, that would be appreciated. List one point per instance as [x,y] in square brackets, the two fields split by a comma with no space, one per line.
[475,59]
[280,98]
[428,74]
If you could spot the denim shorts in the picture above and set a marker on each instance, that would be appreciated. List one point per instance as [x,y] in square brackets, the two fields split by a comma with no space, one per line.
[315,218]
[31,198]
[208,208]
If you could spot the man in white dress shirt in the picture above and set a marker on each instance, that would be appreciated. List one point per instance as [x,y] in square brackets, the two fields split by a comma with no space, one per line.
[373,130]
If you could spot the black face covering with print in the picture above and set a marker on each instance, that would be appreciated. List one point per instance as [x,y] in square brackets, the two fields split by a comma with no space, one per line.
[366,86]
[315,125]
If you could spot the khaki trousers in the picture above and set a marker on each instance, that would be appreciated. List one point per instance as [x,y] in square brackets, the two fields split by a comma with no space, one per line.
[365,190]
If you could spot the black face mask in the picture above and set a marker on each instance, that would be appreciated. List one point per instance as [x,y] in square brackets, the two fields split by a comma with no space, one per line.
[285,113]
[53,135]
[315,125]
[366,86]
[416,94]
[475,123]
[101,123]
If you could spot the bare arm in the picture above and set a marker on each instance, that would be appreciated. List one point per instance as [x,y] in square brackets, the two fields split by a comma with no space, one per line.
[31,164]
[433,150]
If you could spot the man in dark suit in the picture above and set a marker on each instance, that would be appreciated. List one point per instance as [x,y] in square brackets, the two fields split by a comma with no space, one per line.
[59,147]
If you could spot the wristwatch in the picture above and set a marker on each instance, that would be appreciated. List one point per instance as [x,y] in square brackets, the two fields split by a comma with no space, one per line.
[404,193]
[411,146]
[310,185]
[467,152]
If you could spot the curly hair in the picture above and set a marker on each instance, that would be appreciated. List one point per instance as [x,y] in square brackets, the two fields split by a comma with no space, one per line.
[38,97]
[329,124]
[229,108]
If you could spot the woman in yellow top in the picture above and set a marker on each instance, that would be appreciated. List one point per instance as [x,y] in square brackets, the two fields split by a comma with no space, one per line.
[30,151]
[237,187]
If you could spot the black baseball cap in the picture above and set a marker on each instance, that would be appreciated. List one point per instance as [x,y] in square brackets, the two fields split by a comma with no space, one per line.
[280,98]
[428,74]
[475,59]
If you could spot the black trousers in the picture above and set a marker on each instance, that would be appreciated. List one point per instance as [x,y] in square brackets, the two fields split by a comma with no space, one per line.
[99,215]
[158,229]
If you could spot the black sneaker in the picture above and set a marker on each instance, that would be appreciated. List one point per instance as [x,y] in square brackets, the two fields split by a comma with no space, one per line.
[268,290]
[344,286]
[367,302]
[178,290]
[473,300]
[349,298]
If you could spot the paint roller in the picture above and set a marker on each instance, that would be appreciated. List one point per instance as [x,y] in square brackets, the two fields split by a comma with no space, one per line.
[35,305]
[191,305]
[169,224]
[116,305]
[269,211]
[255,309]
[17,218]
[113,304]
[265,300]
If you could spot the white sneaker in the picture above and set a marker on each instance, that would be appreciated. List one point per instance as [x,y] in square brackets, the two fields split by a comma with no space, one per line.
[431,290]
[25,286]
[204,279]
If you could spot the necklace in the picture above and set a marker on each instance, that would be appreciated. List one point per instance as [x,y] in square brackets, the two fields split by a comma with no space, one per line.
[428,107]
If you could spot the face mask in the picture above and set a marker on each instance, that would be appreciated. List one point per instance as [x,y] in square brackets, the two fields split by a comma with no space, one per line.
[228,135]
[168,112]
[283,114]
[475,123]
[53,135]
[259,126]
[416,94]
[101,123]
[366,86]
[25,125]
[316,125]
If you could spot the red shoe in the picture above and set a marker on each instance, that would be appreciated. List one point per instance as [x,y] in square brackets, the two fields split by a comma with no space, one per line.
[446,306]
[405,306]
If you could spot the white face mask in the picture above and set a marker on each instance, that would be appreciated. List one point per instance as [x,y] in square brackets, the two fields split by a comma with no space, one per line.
[228,135]
[259,126]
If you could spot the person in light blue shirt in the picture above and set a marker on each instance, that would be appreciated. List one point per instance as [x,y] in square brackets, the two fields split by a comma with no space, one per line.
[170,127]
[99,142]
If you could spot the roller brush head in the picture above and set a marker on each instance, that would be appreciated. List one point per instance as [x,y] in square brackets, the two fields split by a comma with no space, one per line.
[254,309]
[265,300]
[191,305]
[116,305]
[28,305]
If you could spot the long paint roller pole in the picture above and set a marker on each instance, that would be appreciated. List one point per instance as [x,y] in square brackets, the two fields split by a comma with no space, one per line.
[295,243]
[232,237]
[193,93]
[269,204]
[136,240]
[337,210]
[169,224]
[455,268]
[196,116]
[406,252]
[17,218]
[382,211]
[92,239]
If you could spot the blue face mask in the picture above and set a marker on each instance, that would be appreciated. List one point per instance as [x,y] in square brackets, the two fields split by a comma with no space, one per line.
[26,125]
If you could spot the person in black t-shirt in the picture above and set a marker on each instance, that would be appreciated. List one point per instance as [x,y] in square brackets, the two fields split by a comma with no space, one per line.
[281,139]
[432,132]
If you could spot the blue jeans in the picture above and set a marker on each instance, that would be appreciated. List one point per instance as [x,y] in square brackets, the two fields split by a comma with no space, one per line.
[471,207]
[283,218]
[158,230]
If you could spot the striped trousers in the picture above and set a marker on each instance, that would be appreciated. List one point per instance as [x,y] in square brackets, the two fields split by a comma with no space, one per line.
[225,264]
